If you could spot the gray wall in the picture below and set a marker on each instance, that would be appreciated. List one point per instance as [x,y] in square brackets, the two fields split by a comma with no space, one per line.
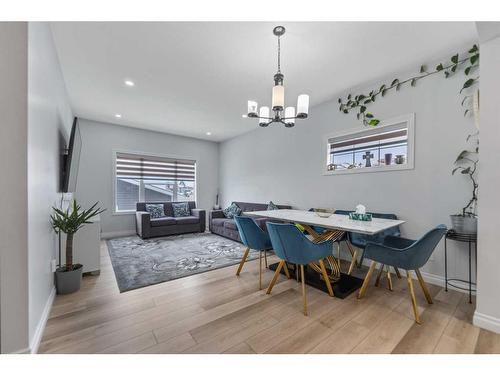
[285,165]
[13,186]
[488,304]
[49,123]
[95,176]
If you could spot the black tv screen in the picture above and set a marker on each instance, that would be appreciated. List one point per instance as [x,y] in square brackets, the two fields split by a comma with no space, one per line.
[72,159]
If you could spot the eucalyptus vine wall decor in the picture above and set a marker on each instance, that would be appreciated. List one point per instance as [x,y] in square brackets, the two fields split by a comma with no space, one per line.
[469,61]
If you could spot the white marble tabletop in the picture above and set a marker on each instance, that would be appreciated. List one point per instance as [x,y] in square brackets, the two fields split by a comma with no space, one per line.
[339,222]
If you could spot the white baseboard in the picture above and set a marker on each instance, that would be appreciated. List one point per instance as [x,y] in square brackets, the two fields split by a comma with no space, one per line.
[121,233]
[487,322]
[37,337]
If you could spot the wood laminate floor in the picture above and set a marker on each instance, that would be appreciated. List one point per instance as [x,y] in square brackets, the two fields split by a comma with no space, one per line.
[217,312]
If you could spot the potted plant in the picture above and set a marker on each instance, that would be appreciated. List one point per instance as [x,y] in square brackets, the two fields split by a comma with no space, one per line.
[466,163]
[69,221]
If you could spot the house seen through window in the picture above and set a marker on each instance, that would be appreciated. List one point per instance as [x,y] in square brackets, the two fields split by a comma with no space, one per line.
[141,178]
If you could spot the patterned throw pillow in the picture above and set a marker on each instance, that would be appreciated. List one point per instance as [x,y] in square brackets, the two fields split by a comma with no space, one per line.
[271,206]
[232,211]
[181,209]
[155,210]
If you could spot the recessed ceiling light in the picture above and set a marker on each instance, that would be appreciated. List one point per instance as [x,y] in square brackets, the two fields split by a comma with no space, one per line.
[209,133]
[129,83]
[244,116]
[118,115]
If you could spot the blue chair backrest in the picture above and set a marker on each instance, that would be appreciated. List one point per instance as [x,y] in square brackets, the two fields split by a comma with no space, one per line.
[420,251]
[360,240]
[251,234]
[291,245]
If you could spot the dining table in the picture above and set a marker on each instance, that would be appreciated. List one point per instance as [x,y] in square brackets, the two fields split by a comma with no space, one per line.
[333,228]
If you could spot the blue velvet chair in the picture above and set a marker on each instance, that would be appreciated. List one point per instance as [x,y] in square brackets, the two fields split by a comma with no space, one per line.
[253,237]
[406,254]
[292,246]
[359,240]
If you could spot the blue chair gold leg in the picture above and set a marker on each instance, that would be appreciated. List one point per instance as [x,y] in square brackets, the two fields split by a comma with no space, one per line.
[368,276]
[303,277]
[423,285]
[275,277]
[260,270]
[412,296]
[242,262]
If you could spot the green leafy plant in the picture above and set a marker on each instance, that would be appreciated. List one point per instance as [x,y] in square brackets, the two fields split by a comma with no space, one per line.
[69,222]
[466,163]
[361,102]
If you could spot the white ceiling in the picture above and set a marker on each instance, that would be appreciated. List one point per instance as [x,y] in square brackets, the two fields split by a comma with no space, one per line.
[196,77]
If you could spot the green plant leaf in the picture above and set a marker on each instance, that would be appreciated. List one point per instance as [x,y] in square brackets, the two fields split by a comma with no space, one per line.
[446,74]
[367,101]
[368,115]
[467,70]
[374,122]
[349,96]
[423,69]
[381,88]
[346,111]
[454,68]
[357,115]
[394,82]
[466,170]
[383,92]
[474,59]
[361,97]
[474,49]
[398,86]
[465,113]
[340,100]
[362,109]
[439,67]
[467,84]
[462,155]
[414,82]
[340,108]
[454,59]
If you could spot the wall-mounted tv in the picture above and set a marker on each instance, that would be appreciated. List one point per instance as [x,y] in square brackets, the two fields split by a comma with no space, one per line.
[71,159]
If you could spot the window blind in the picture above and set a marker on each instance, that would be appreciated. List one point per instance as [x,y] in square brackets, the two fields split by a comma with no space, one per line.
[154,168]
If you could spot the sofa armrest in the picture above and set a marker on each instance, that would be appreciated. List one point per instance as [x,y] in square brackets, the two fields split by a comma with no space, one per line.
[214,214]
[142,223]
[199,213]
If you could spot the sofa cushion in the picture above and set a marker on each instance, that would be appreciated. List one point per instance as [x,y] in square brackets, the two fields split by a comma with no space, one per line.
[219,222]
[162,221]
[232,211]
[187,220]
[181,209]
[155,210]
[230,224]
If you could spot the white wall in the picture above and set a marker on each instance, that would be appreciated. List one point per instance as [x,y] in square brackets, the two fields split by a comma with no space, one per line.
[487,313]
[95,176]
[285,165]
[49,123]
[13,187]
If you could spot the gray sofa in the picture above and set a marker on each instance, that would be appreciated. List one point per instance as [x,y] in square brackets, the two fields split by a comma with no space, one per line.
[221,225]
[147,227]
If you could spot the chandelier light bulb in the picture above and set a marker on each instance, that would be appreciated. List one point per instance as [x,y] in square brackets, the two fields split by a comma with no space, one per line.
[303,106]
[289,117]
[278,100]
[264,116]
[252,108]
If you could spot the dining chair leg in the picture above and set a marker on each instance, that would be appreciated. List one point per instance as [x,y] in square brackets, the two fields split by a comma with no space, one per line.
[303,288]
[354,253]
[367,280]
[398,274]
[413,298]
[285,268]
[380,271]
[389,279]
[265,258]
[243,260]
[260,270]
[423,285]
[325,276]
[353,261]
[275,277]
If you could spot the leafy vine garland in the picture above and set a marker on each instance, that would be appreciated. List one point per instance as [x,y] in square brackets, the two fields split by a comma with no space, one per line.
[360,102]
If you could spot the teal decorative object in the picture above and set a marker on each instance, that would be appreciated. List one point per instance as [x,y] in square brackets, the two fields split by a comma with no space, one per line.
[360,217]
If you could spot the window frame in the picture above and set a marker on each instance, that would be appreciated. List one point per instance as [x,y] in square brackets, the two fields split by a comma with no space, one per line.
[409,119]
[141,153]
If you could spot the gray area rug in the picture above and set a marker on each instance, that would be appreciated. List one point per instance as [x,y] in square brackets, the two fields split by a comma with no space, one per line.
[138,263]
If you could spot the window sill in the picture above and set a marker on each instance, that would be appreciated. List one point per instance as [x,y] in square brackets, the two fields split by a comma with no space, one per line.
[386,168]
[119,213]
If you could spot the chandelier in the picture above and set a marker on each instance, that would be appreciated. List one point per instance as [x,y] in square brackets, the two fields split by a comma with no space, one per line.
[281,114]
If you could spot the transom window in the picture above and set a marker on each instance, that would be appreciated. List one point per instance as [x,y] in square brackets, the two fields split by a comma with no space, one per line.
[386,147]
[144,178]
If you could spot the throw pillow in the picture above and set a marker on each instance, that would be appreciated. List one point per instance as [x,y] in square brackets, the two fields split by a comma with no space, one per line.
[181,209]
[232,211]
[272,206]
[155,210]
